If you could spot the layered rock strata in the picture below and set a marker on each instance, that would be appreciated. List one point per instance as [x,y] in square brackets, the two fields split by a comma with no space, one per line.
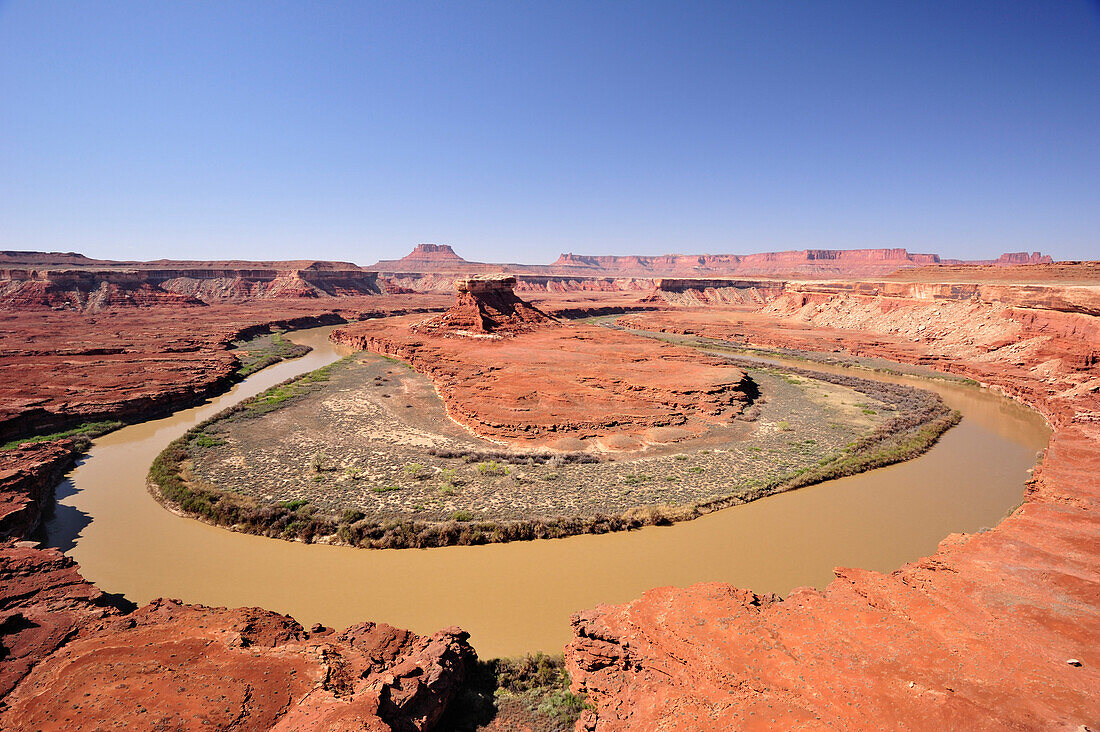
[59,369]
[91,286]
[548,384]
[997,630]
[486,305]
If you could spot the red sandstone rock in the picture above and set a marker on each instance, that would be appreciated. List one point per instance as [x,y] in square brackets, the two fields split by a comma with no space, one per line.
[28,475]
[804,263]
[554,386]
[62,368]
[486,304]
[78,664]
[71,282]
[975,637]
[44,602]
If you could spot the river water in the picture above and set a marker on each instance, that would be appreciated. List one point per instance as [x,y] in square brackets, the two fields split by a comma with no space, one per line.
[518,597]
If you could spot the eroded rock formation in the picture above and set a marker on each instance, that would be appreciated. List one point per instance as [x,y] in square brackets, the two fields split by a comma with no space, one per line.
[558,386]
[486,305]
[997,630]
[71,282]
[74,661]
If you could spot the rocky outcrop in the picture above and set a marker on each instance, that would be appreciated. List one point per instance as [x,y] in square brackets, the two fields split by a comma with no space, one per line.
[562,386]
[429,258]
[688,291]
[28,474]
[997,630]
[486,305]
[73,657]
[73,661]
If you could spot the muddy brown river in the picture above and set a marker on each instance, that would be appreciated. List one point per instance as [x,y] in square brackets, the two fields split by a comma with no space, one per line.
[518,597]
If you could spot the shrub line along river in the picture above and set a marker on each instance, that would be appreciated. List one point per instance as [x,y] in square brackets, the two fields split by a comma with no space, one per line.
[518,597]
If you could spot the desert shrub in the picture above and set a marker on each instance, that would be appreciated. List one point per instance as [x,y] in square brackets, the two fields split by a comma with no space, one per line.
[351,515]
[563,706]
[531,672]
[492,467]
[205,440]
[552,459]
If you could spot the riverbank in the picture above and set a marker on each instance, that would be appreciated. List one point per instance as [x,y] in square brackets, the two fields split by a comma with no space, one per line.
[1020,595]
[362,453]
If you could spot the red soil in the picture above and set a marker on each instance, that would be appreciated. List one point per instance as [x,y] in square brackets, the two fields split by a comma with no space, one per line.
[560,386]
[61,368]
[977,636]
[509,372]
[74,659]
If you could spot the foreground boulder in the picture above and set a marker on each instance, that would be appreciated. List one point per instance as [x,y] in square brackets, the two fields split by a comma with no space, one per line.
[71,659]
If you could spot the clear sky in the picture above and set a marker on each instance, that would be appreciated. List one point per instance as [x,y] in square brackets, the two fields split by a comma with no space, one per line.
[517,130]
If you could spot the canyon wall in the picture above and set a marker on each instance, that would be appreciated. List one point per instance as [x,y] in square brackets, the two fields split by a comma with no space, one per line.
[435,258]
[997,630]
[75,658]
[98,286]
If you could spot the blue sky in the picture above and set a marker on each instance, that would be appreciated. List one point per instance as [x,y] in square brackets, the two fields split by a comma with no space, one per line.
[514,131]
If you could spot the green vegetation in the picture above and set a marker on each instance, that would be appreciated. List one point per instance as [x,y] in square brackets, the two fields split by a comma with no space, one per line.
[265,350]
[492,467]
[205,440]
[299,386]
[87,430]
[530,691]
[908,424]
[295,504]
[351,515]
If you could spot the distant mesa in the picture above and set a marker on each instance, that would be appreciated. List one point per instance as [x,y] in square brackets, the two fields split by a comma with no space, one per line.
[487,306]
[430,258]
[432,253]
[1014,258]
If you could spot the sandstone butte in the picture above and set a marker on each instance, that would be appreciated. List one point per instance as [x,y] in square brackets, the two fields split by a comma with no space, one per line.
[510,372]
[976,636]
